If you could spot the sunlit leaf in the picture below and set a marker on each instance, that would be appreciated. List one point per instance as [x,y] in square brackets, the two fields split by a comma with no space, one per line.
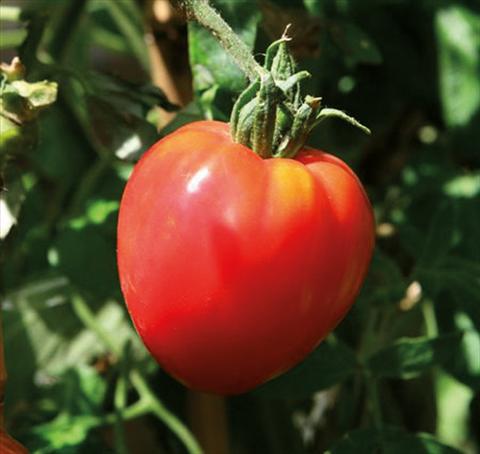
[39,319]
[464,186]
[458,31]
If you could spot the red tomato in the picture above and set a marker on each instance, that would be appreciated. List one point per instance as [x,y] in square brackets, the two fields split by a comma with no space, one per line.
[234,268]
[9,445]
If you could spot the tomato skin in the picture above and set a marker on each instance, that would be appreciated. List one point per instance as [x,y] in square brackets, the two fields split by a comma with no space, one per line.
[234,268]
[9,445]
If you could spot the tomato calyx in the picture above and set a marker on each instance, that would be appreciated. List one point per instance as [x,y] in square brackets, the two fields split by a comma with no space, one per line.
[270,116]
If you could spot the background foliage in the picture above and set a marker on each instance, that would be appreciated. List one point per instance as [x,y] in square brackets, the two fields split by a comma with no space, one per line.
[402,371]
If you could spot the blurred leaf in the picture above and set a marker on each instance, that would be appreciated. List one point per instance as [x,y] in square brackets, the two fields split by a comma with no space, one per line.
[440,237]
[87,257]
[38,94]
[38,318]
[80,395]
[409,357]
[459,276]
[458,34]
[453,407]
[82,391]
[20,104]
[458,309]
[129,21]
[354,44]
[463,186]
[125,95]
[11,199]
[64,434]
[384,282]
[12,38]
[330,363]
[112,113]
[389,440]
[52,159]
[465,366]
[192,112]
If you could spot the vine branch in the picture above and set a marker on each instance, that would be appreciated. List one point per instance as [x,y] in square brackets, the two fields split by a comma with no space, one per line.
[204,14]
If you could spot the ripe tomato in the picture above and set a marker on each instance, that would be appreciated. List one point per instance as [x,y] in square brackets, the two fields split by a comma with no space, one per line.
[9,445]
[234,268]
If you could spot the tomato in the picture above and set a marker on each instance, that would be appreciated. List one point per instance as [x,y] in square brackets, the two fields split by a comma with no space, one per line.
[9,445]
[234,268]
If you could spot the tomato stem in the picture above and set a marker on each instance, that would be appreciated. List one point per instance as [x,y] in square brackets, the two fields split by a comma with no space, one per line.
[205,14]
[271,117]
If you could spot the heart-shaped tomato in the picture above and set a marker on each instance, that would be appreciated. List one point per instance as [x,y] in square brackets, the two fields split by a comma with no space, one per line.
[234,268]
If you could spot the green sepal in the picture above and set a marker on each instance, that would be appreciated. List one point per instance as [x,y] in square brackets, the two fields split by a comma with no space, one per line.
[244,98]
[270,116]
[301,127]
[265,115]
[285,118]
[243,130]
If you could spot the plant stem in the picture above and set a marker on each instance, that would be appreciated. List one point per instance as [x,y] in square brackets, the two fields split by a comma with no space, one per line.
[367,347]
[88,183]
[430,318]
[60,43]
[10,13]
[202,12]
[148,400]
[165,415]
[375,407]
[120,13]
[120,403]
[88,318]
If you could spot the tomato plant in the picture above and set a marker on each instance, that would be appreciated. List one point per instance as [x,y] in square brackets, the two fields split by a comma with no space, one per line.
[234,268]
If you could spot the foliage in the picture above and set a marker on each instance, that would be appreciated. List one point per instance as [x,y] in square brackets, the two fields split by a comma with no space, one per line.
[405,362]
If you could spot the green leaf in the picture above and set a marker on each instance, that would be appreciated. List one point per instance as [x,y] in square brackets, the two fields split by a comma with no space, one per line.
[453,409]
[64,433]
[331,363]
[440,237]
[80,391]
[409,357]
[87,257]
[113,113]
[451,315]
[39,94]
[463,186]
[10,202]
[128,20]
[389,440]
[384,281]
[12,38]
[39,320]
[50,158]
[191,112]
[133,97]
[461,277]
[355,45]
[458,35]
